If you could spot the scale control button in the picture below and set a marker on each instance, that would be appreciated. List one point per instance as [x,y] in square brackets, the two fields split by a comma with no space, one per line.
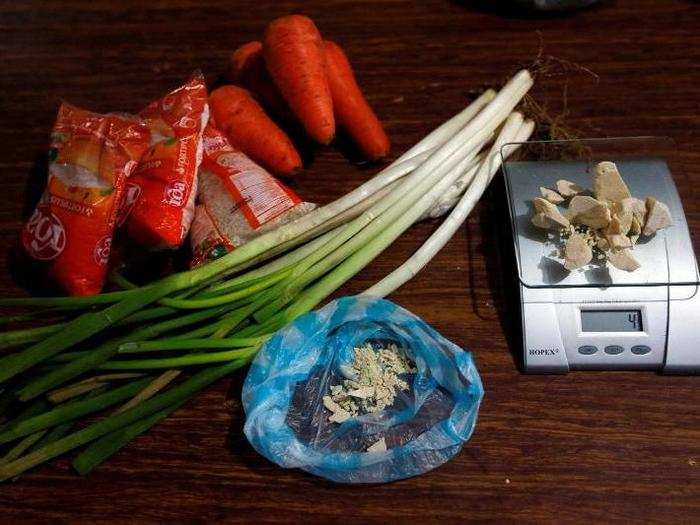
[587,349]
[640,349]
[614,349]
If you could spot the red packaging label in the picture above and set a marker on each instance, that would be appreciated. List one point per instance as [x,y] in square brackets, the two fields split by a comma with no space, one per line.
[208,242]
[236,198]
[91,157]
[258,195]
[44,236]
[161,211]
[131,195]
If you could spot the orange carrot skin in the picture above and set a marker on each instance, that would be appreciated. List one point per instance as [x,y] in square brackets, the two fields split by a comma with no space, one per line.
[241,60]
[293,52]
[352,112]
[248,127]
[247,69]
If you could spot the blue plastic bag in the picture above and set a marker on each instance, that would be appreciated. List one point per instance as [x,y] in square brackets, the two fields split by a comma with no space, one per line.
[287,422]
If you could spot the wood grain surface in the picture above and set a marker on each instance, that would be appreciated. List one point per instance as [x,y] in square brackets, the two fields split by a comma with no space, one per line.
[584,447]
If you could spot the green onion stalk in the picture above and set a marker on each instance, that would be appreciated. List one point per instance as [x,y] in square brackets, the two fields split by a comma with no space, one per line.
[129,347]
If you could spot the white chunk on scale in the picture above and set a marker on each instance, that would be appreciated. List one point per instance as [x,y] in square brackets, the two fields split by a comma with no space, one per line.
[623,259]
[566,188]
[617,241]
[658,216]
[620,222]
[635,227]
[551,195]
[613,219]
[637,206]
[608,184]
[577,252]
[589,211]
[547,215]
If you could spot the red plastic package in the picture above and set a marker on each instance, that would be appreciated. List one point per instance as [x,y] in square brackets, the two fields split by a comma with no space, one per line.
[237,200]
[159,201]
[91,156]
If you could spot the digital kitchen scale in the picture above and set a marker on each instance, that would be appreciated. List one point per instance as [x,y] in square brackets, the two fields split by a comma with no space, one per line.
[600,317]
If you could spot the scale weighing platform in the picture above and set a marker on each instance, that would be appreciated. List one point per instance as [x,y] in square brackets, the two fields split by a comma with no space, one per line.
[600,317]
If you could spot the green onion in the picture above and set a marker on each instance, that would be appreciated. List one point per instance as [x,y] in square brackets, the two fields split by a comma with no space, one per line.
[111,443]
[62,394]
[118,279]
[237,295]
[448,228]
[35,408]
[151,390]
[148,314]
[6,319]
[71,302]
[86,385]
[281,263]
[54,434]
[189,344]
[173,396]
[28,335]
[61,430]
[104,352]
[22,446]
[181,361]
[71,410]
[75,332]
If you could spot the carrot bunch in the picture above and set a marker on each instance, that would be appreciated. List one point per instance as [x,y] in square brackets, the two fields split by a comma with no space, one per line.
[294,72]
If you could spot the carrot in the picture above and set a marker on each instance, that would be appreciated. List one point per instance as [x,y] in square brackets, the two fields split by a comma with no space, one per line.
[352,111]
[242,59]
[293,52]
[247,69]
[241,118]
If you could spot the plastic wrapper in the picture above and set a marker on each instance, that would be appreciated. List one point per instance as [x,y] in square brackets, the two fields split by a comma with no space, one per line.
[428,424]
[159,199]
[237,200]
[91,156]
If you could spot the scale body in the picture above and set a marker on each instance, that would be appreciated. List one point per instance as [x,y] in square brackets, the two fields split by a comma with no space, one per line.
[600,317]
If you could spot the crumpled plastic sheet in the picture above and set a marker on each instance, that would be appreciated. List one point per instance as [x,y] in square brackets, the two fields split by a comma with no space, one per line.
[426,426]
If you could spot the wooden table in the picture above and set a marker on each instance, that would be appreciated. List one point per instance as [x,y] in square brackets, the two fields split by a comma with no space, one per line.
[589,447]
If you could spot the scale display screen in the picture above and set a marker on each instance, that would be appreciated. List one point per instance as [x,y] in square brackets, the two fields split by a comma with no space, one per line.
[611,320]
